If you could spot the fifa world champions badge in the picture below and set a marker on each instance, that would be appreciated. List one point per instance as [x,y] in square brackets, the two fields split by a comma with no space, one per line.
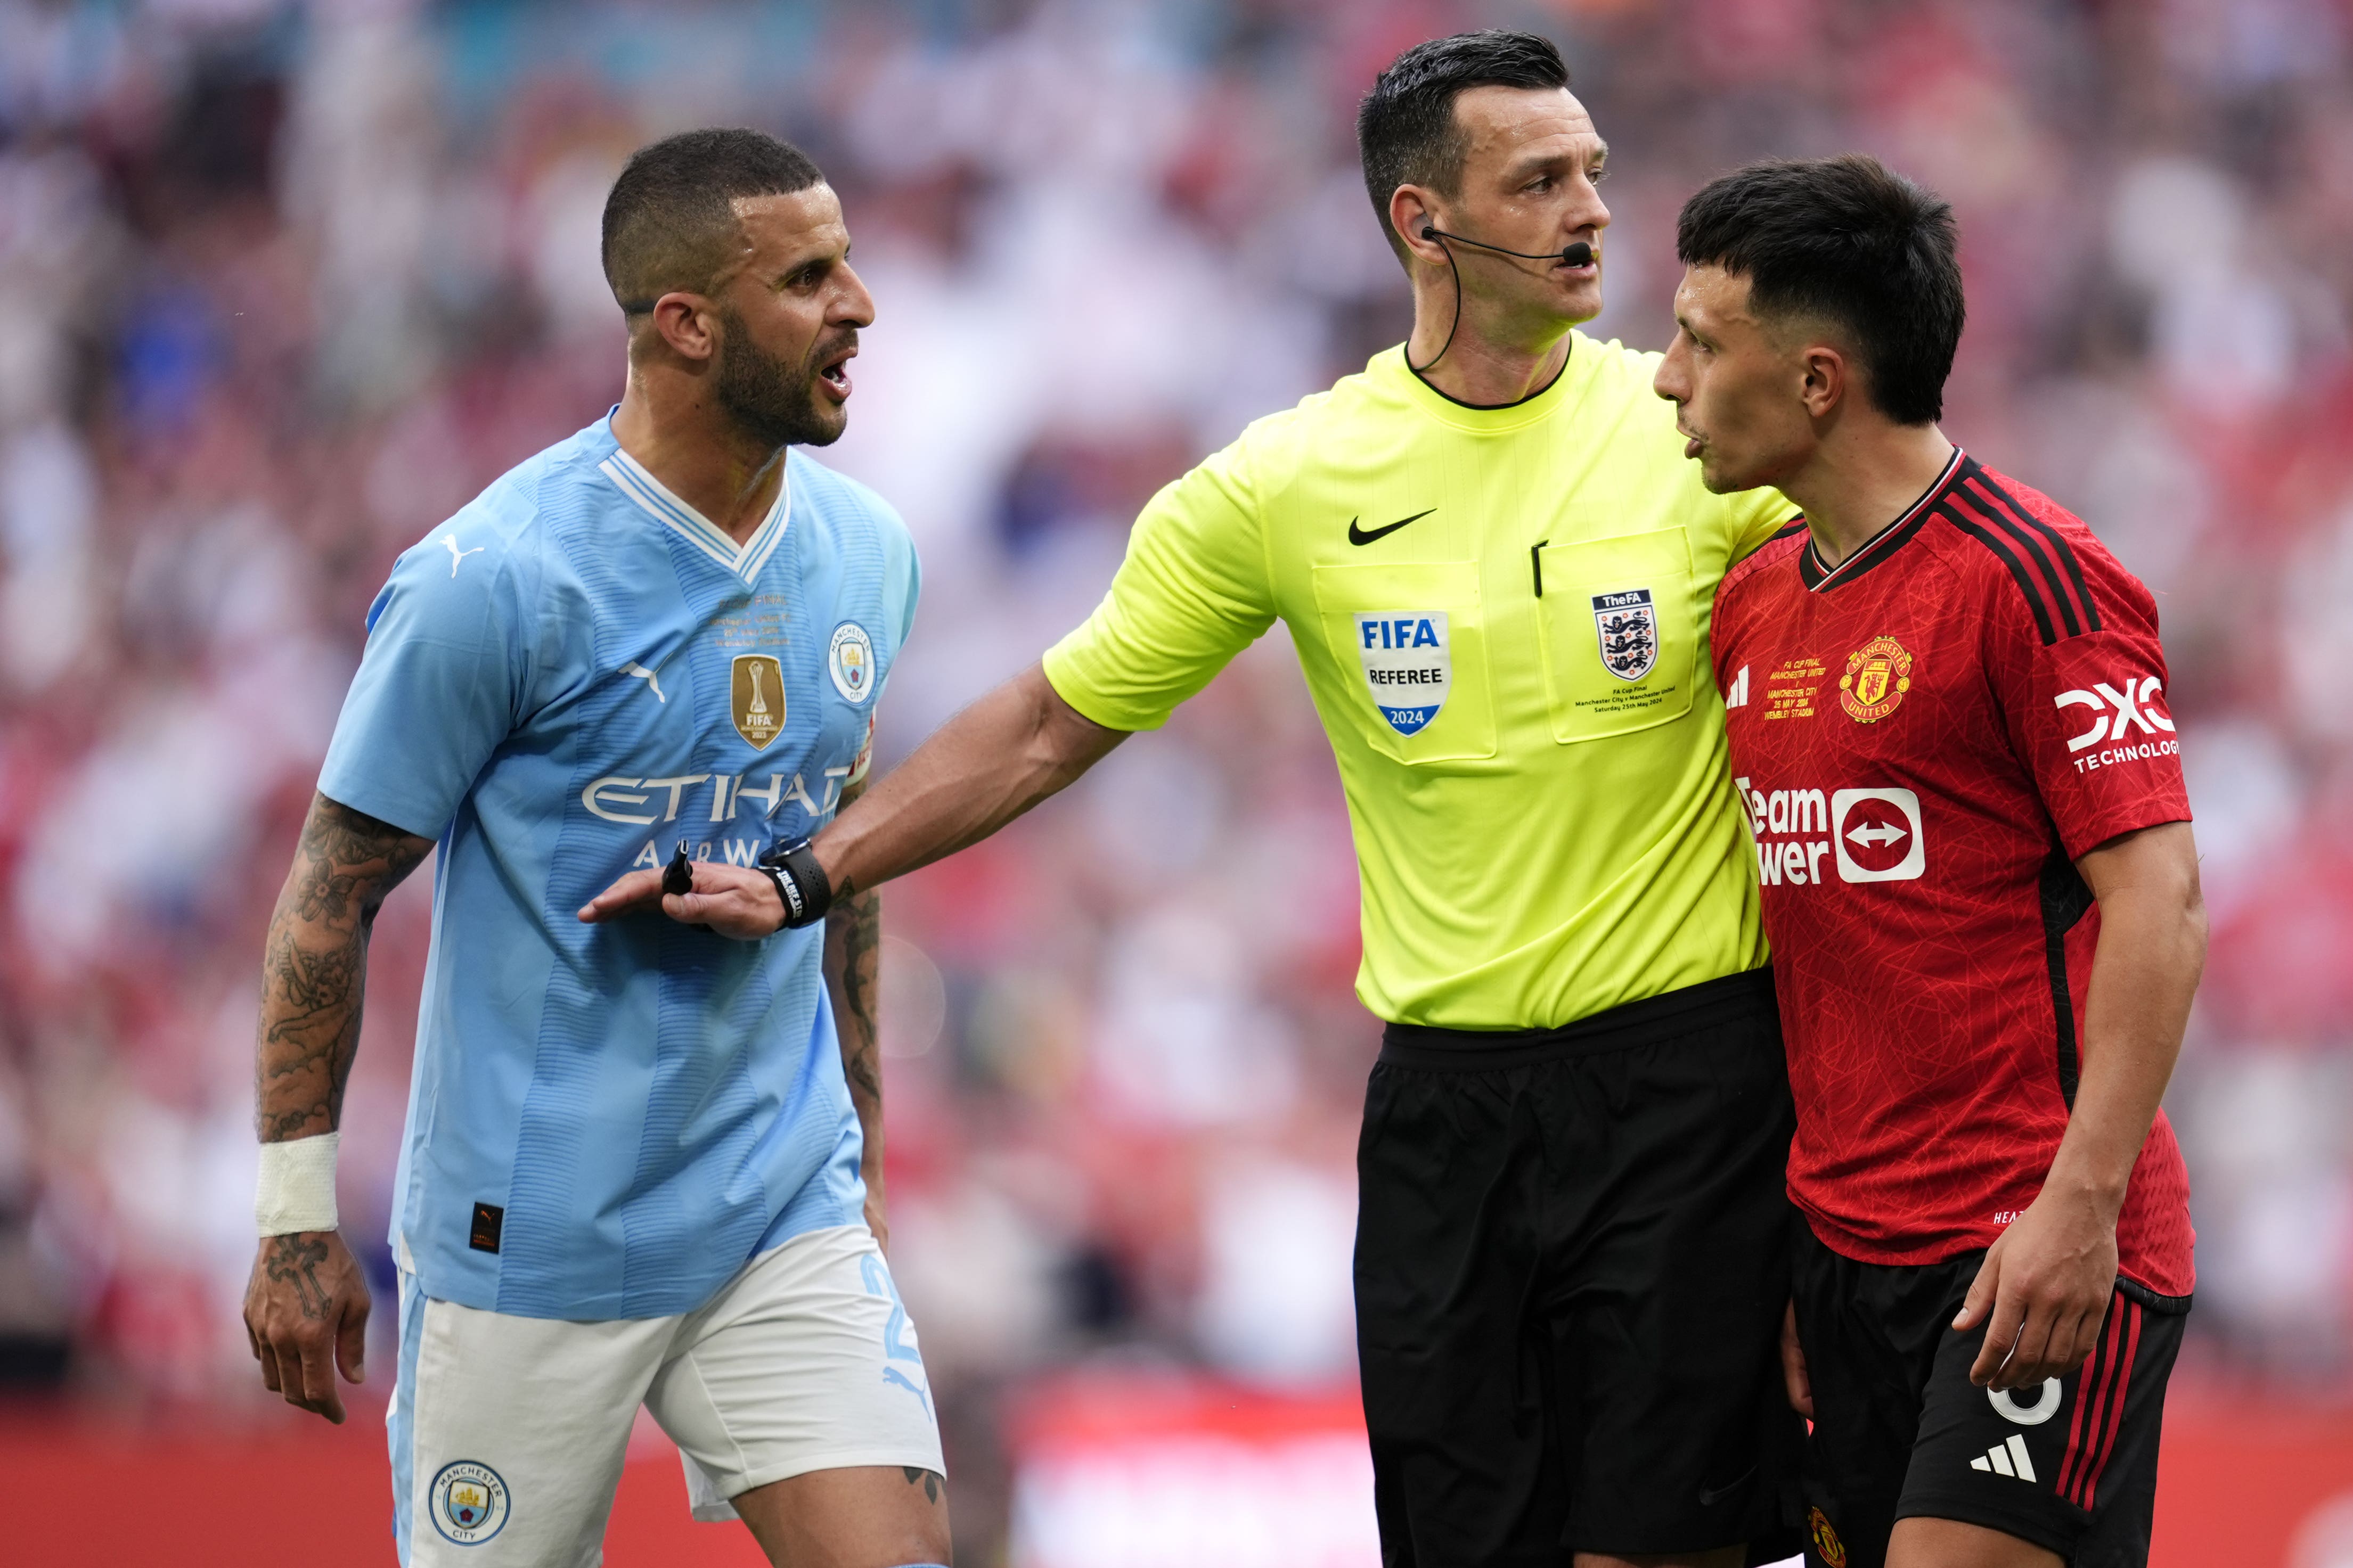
[1877,676]
[468,1502]
[759,698]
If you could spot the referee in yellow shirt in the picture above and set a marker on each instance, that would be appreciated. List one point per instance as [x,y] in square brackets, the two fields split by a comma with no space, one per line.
[1497,568]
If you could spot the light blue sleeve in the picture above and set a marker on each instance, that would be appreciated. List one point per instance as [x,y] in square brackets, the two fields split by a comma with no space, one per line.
[902,582]
[441,683]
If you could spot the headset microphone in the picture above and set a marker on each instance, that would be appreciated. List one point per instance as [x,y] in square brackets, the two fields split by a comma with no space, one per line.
[1577,254]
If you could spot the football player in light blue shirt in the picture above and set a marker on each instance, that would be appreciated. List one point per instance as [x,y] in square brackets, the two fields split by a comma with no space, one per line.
[642,1165]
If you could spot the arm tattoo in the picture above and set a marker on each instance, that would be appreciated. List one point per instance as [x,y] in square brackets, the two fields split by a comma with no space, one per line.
[853,931]
[294,1260]
[930,1480]
[314,965]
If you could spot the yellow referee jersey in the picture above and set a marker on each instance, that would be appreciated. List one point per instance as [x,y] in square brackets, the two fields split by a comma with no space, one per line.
[1503,615]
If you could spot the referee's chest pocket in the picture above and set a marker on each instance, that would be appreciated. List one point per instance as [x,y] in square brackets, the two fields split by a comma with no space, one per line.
[1620,632]
[1411,647]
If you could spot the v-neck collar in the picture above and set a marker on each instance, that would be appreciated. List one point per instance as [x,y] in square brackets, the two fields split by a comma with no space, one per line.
[1564,390]
[1886,541]
[698,530]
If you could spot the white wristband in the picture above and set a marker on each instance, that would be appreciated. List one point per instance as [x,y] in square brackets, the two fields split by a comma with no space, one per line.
[297,1190]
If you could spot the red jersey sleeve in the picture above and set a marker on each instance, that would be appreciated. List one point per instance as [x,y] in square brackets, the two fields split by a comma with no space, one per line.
[2081,677]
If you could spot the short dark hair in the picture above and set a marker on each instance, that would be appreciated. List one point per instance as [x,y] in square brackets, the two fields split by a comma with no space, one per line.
[1845,240]
[1406,132]
[670,216]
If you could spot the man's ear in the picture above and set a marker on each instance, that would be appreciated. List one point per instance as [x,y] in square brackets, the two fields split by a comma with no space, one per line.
[1826,382]
[686,325]
[1410,212]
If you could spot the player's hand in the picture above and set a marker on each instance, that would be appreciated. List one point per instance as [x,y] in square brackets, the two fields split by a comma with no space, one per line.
[2043,1291]
[733,900]
[306,1313]
[1800,1387]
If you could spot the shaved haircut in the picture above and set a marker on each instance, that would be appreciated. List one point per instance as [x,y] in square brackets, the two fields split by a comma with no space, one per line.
[670,222]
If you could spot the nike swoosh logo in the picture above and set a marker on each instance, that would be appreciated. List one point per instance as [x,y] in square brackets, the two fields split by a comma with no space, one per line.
[1709,1496]
[1366,536]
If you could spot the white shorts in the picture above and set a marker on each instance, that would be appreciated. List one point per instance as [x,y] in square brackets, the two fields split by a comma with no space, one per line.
[508,1433]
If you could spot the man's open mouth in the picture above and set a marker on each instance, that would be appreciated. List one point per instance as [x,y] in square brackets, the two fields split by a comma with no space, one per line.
[834,369]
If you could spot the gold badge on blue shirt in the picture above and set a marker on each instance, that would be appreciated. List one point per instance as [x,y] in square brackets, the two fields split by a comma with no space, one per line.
[759,698]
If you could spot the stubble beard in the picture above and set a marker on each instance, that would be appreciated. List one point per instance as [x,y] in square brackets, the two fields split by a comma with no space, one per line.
[771,401]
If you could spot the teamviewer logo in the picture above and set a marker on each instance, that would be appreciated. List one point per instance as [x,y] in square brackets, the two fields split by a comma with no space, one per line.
[1877,835]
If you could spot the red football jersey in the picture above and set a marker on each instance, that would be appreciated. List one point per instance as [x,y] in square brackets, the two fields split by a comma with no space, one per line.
[1928,738]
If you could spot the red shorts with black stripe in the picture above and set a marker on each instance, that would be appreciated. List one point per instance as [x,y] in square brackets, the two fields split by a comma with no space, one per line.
[1900,1431]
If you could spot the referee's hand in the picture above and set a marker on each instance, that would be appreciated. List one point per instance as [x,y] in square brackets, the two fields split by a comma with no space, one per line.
[733,900]
[2042,1292]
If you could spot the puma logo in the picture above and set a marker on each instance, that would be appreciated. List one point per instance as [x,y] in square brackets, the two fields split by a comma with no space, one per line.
[642,673]
[456,554]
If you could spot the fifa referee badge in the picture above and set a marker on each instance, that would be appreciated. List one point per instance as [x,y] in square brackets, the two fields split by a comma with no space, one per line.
[678,876]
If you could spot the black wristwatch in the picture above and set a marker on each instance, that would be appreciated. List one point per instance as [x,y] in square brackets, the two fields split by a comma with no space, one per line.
[801,882]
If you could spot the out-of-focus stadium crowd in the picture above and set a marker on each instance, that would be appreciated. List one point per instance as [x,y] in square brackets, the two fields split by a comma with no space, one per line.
[281,286]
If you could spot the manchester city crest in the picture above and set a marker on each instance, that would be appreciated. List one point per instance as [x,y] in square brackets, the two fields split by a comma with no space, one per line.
[759,698]
[850,661]
[1408,663]
[1628,625]
[468,1502]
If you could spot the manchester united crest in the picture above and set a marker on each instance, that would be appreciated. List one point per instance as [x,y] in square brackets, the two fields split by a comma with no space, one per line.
[759,698]
[1827,1544]
[1877,676]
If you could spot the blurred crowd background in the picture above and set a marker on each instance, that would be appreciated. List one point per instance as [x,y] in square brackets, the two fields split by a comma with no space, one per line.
[282,286]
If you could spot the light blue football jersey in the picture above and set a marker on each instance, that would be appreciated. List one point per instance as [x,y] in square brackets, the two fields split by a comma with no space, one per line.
[561,682]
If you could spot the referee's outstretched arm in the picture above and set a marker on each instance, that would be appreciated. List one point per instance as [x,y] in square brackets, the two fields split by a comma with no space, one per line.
[978,771]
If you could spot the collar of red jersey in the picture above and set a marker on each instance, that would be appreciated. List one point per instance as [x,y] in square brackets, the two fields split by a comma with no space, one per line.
[1830,576]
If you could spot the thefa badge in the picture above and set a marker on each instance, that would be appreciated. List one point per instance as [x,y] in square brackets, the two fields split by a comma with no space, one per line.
[1627,626]
[759,698]
[1877,676]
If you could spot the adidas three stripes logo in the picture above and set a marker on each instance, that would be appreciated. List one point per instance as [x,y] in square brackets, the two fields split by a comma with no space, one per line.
[2007,1458]
[2101,1391]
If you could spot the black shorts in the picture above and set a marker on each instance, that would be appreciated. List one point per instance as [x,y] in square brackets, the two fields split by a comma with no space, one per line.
[1900,1431]
[1571,1265]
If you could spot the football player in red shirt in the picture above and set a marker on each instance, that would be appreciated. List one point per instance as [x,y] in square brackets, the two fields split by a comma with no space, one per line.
[1947,703]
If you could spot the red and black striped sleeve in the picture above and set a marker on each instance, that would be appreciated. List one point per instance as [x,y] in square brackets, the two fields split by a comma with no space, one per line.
[2071,651]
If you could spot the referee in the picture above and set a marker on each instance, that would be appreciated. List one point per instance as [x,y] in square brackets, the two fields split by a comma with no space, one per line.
[1497,568]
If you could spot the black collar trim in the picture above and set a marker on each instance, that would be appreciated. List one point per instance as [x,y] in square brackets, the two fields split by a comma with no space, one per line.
[1492,407]
[1887,541]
